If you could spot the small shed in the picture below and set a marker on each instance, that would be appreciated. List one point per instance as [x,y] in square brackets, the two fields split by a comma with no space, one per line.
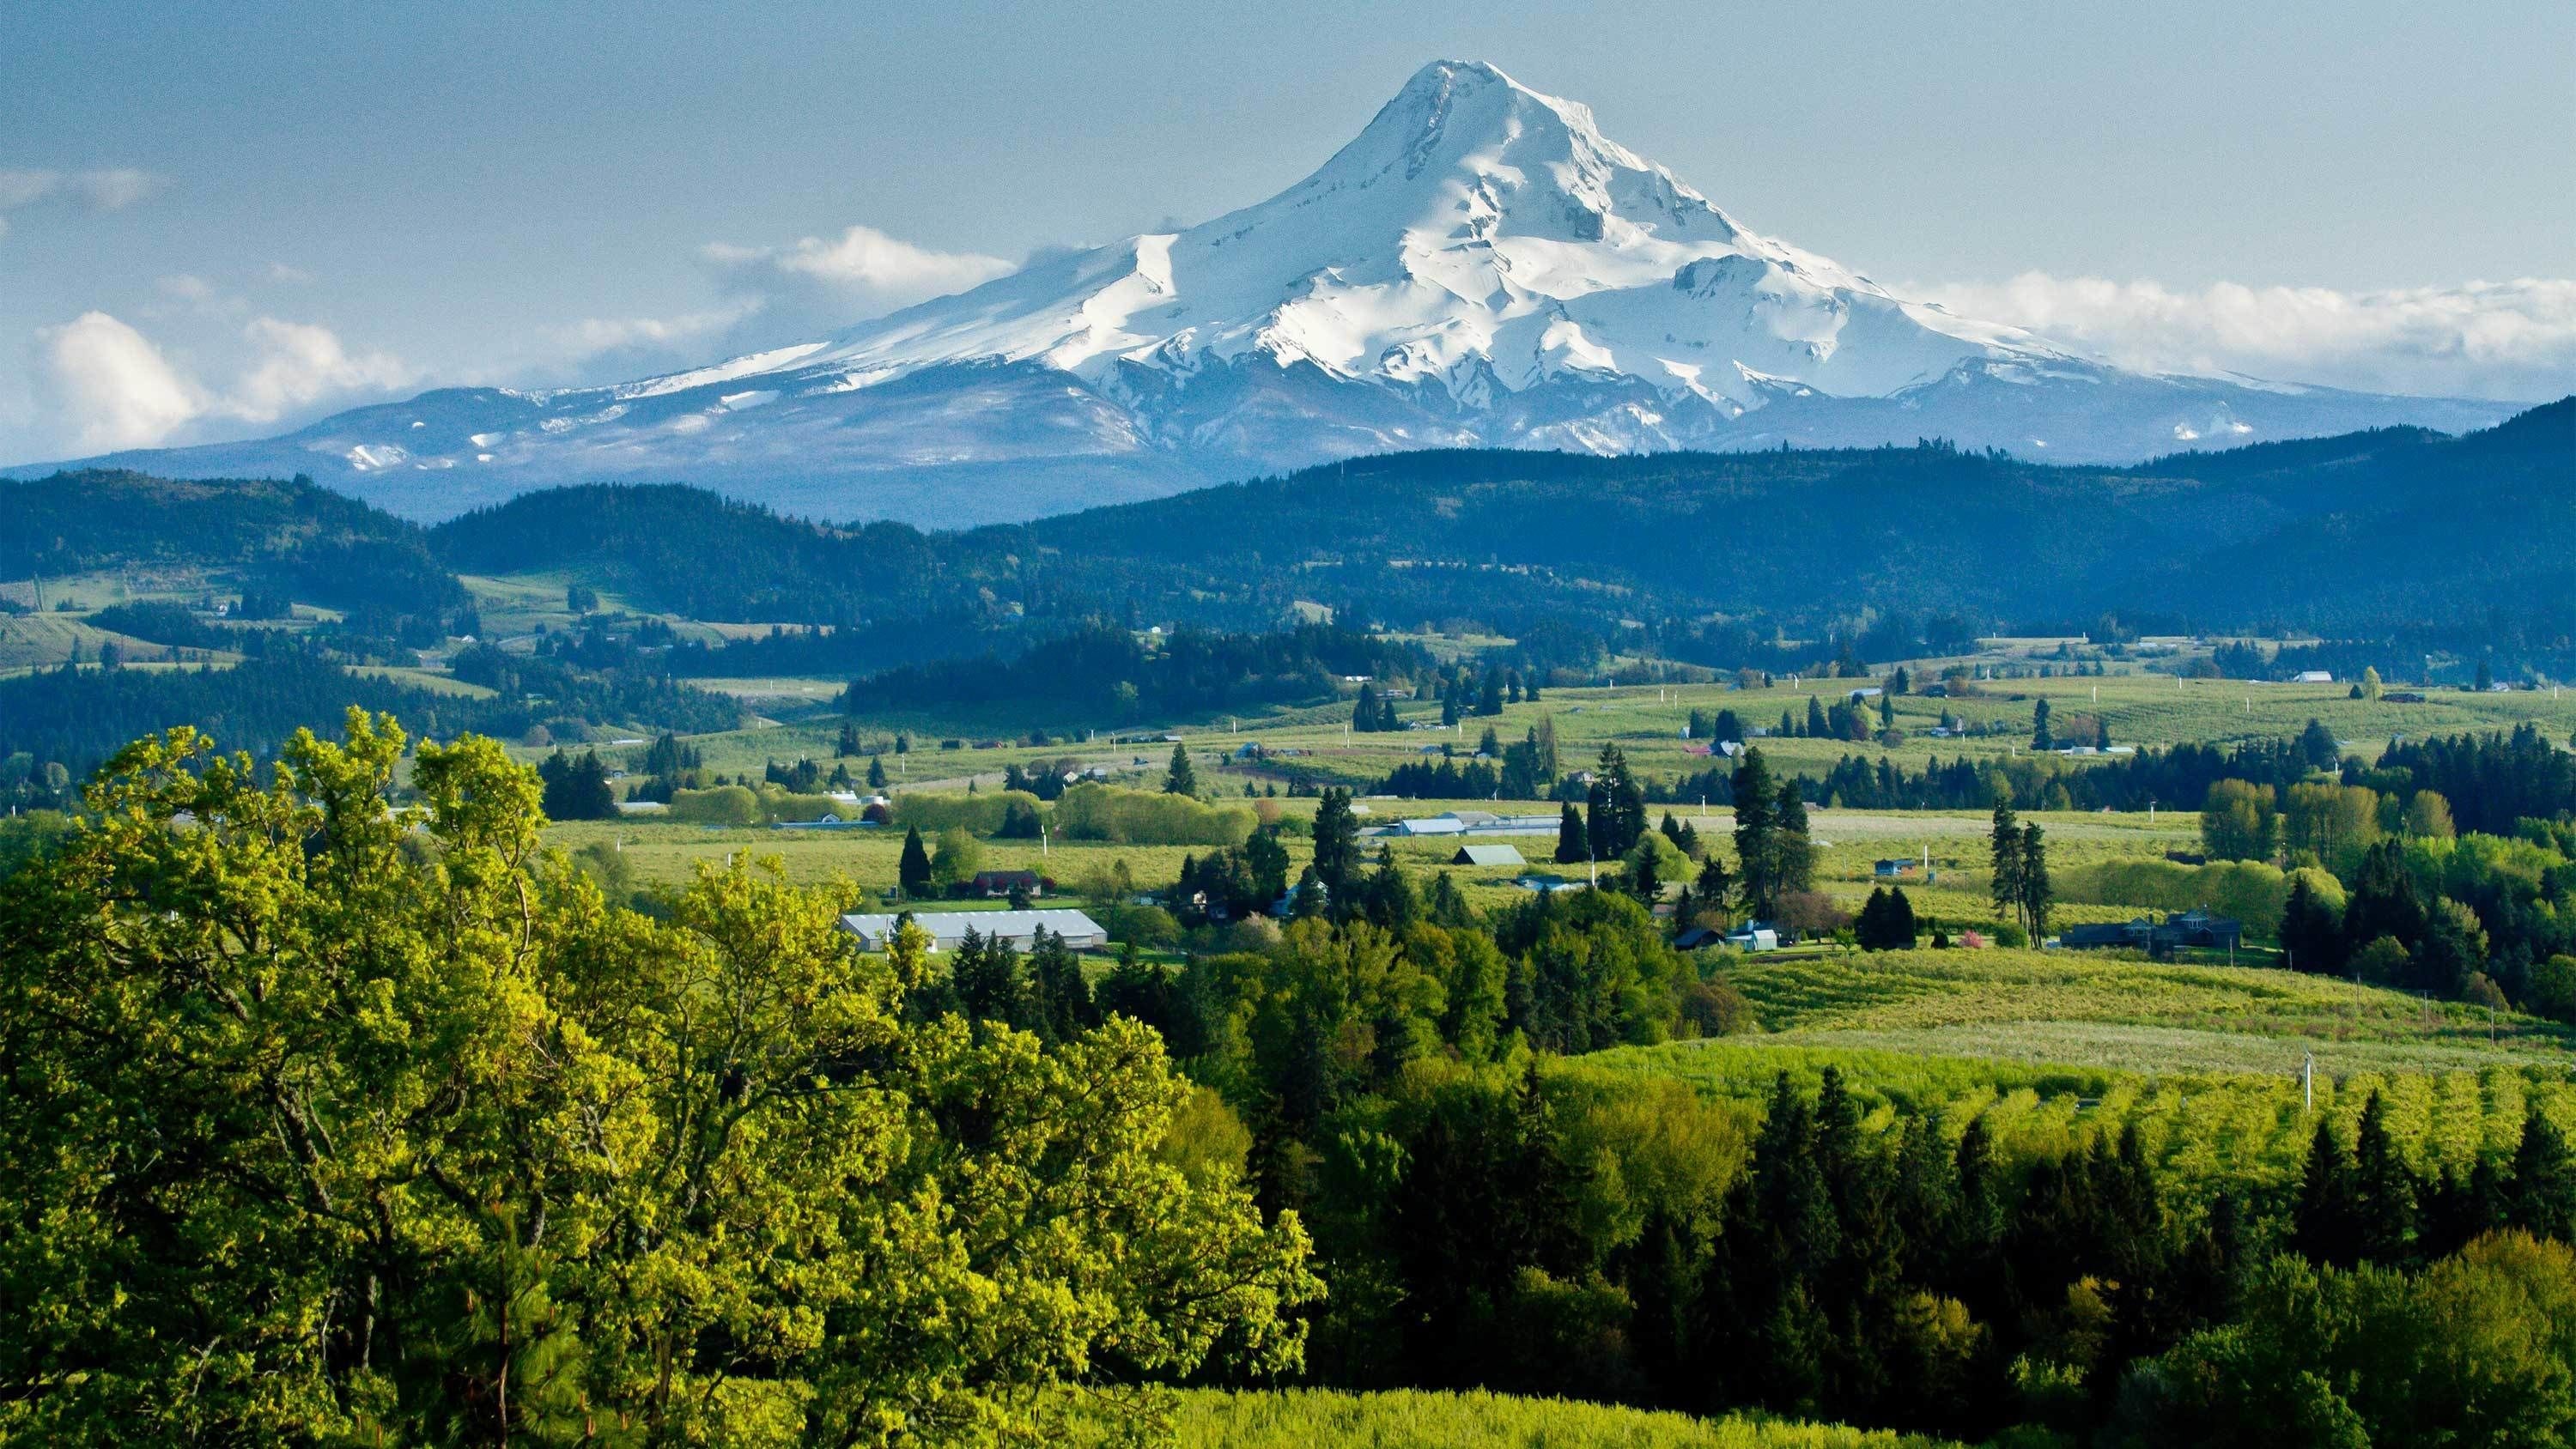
[1488,855]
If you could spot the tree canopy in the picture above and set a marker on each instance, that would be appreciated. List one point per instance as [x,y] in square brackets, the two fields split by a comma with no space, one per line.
[337,1118]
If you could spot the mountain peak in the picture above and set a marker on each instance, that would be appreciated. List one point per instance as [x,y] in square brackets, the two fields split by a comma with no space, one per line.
[1480,266]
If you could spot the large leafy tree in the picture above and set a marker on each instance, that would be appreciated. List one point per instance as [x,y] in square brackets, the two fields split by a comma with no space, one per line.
[338,1120]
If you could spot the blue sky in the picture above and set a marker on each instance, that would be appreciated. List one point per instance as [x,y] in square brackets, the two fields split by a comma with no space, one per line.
[220,221]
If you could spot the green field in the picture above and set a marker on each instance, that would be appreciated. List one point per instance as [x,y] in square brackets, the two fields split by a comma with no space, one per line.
[1412,1419]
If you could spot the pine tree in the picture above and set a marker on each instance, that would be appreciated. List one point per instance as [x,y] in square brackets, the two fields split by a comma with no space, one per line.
[1492,701]
[1364,713]
[2542,1200]
[1817,727]
[1757,832]
[2036,889]
[2007,885]
[1180,779]
[2324,1226]
[1714,885]
[1337,845]
[913,871]
[1573,838]
[1793,853]
[2384,1190]
[2039,736]
[876,772]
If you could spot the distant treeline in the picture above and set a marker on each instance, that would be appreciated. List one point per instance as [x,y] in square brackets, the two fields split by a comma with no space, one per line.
[1104,673]
[78,717]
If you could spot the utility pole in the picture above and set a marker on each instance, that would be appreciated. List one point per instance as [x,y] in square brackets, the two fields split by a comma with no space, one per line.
[2308,1084]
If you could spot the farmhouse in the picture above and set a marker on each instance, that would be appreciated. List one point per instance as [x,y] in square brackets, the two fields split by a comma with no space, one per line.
[1754,936]
[1487,855]
[1895,866]
[2314,676]
[2197,929]
[948,928]
[998,883]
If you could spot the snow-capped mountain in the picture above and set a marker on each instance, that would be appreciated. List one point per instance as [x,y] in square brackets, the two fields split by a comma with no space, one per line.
[1480,267]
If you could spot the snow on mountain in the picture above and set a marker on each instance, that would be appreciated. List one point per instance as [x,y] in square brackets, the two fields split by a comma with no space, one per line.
[1480,267]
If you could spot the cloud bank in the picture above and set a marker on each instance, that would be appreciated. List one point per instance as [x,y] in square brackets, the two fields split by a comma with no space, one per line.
[2507,341]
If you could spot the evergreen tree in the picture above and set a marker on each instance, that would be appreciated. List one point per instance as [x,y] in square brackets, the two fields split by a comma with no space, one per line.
[1492,702]
[576,788]
[1817,727]
[1364,713]
[2384,1190]
[912,872]
[1387,723]
[2310,934]
[2040,739]
[2037,891]
[2324,1222]
[2007,842]
[1179,778]
[1573,837]
[1794,853]
[876,772]
[1337,845]
[1714,886]
[1063,1006]
[2542,1199]
[1757,837]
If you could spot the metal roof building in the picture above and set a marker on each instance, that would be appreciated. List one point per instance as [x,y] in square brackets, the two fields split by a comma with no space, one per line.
[948,928]
[1487,855]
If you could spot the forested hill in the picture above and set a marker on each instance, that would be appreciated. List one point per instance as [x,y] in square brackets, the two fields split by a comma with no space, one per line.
[2321,532]
[294,538]
[2421,528]
[2329,533]
[691,552]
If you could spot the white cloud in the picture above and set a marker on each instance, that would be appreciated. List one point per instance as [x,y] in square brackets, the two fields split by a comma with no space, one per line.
[593,335]
[298,363]
[281,272]
[114,386]
[861,273]
[2513,341]
[186,288]
[112,189]
[111,387]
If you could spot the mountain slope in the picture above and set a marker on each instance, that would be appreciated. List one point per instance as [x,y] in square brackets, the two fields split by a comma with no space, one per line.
[1480,267]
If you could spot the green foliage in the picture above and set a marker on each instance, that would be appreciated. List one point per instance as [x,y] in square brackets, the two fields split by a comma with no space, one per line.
[2239,821]
[1091,811]
[979,813]
[2479,1349]
[327,1132]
